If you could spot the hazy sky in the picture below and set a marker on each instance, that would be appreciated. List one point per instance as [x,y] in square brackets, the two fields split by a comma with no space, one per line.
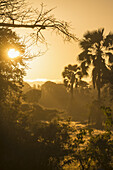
[84,15]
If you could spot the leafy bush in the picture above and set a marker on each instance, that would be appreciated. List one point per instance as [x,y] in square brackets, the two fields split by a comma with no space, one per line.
[93,151]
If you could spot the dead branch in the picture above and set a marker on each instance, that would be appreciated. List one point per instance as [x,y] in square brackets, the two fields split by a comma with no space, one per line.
[18,14]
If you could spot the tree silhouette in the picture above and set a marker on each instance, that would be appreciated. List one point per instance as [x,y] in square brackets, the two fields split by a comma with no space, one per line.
[19,14]
[96,49]
[71,75]
[109,81]
[32,96]
[11,70]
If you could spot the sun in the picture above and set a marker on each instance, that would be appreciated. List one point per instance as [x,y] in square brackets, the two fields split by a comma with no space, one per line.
[12,53]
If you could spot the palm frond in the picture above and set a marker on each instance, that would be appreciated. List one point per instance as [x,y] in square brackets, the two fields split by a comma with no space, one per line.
[94,36]
[88,59]
[108,42]
[84,68]
[110,57]
[82,56]
[85,44]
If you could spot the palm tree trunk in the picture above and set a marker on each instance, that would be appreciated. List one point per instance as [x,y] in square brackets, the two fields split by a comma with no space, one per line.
[72,92]
[99,84]
[99,93]
[99,61]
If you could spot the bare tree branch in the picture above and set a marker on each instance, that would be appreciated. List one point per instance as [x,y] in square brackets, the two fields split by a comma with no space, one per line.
[18,14]
[22,25]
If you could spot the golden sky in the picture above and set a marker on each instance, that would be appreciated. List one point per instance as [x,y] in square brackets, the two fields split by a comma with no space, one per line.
[84,15]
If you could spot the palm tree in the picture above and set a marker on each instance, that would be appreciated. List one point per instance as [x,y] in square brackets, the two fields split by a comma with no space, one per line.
[109,81]
[97,52]
[71,75]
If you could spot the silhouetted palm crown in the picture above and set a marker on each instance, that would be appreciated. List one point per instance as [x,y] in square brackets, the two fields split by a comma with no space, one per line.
[71,74]
[97,52]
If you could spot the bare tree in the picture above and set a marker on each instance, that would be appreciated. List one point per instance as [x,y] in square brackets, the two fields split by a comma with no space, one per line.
[18,14]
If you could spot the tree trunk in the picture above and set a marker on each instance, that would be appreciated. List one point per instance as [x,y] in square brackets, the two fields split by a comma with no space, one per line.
[99,93]
[71,92]
[99,61]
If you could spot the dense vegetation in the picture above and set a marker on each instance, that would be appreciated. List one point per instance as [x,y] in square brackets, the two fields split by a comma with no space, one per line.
[38,127]
[34,137]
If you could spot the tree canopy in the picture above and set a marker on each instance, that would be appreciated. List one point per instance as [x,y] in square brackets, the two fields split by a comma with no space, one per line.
[96,49]
[12,70]
[71,75]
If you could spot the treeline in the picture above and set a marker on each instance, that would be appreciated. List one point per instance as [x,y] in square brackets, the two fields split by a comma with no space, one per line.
[83,106]
[32,137]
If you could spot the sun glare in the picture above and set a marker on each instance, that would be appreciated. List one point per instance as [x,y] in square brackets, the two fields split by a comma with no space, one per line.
[12,53]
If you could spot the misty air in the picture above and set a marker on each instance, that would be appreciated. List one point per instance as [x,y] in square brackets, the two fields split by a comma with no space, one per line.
[56,85]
